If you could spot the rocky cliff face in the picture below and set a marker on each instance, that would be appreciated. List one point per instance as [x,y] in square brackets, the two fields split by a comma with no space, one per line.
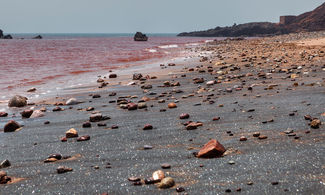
[1,34]
[309,21]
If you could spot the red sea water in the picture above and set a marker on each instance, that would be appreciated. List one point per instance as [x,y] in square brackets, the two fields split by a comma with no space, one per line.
[63,59]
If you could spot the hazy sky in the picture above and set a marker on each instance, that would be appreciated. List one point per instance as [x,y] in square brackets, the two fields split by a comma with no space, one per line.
[114,16]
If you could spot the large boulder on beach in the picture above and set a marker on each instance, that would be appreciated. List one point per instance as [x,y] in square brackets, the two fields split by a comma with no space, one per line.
[17,101]
[140,37]
[11,126]
[1,34]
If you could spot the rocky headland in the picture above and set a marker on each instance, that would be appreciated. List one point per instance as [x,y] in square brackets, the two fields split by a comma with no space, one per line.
[306,22]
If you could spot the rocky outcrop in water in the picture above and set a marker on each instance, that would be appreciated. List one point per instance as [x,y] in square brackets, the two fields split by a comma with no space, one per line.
[140,37]
[38,37]
[2,36]
[307,22]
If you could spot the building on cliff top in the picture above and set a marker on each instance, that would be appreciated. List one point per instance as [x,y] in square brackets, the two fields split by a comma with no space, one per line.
[285,20]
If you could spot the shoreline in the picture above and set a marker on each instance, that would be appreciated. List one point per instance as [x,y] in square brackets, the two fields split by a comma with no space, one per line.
[265,85]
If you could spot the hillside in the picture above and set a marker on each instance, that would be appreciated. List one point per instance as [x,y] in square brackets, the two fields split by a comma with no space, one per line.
[306,22]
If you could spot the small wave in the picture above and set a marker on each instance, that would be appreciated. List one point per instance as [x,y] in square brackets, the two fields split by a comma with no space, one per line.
[152,50]
[168,46]
[208,41]
[192,44]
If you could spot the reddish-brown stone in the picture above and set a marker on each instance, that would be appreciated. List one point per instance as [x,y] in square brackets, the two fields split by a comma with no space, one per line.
[211,149]
[3,114]
[11,126]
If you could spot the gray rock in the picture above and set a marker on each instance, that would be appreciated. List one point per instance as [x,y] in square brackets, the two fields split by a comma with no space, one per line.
[17,101]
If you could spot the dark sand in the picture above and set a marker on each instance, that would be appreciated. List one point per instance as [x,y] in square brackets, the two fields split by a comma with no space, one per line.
[298,165]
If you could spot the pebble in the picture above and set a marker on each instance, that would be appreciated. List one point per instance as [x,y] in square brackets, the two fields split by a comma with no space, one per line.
[231,162]
[262,137]
[96,96]
[275,183]
[63,169]
[158,175]
[256,134]
[83,138]
[72,101]
[172,105]
[142,105]
[165,166]
[114,127]
[315,123]
[11,126]
[5,163]
[71,133]
[26,113]
[147,147]
[216,118]
[180,189]
[242,138]
[211,149]
[86,124]
[96,117]
[184,116]
[132,106]
[134,179]
[167,182]
[111,76]
[147,127]
[56,156]
[3,114]
[57,109]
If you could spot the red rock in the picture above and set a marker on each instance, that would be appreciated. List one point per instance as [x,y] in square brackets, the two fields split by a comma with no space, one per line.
[64,139]
[216,118]
[132,106]
[184,116]
[96,117]
[242,138]
[3,114]
[172,105]
[26,113]
[147,127]
[11,126]
[211,149]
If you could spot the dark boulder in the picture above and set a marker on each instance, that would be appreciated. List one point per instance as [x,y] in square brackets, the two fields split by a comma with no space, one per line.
[140,37]
[7,37]
[11,126]
[17,101]
[1,34]
[38,37]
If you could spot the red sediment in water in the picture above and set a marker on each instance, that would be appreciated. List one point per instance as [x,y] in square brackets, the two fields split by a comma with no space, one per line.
[34,62]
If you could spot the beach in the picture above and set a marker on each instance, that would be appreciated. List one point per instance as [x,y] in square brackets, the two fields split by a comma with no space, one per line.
[258,97]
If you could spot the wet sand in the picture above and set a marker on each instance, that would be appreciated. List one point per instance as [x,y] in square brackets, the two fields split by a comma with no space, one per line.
[262,85]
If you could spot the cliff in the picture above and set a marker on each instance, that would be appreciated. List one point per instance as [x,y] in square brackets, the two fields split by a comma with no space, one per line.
[309,21]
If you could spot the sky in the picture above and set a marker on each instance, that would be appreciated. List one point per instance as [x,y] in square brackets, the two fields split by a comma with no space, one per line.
[149,16]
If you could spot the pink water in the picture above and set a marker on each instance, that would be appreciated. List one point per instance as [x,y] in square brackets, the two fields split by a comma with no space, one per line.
[28,63]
